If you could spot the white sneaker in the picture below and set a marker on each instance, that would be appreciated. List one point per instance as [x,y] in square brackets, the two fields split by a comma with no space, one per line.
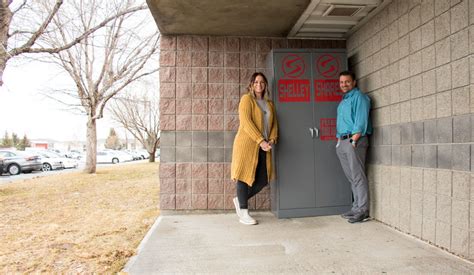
[245,217]
[237,206]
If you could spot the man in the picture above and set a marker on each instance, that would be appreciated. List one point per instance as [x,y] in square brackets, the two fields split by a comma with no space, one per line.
[353,126]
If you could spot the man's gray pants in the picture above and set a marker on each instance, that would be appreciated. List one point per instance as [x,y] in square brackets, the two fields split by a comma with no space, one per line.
[353,164]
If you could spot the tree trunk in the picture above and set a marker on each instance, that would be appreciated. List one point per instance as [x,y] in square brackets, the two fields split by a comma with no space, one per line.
[5,19]
[152,157]
[91,148]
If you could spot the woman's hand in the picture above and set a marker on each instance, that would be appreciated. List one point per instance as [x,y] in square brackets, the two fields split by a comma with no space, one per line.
[265,145]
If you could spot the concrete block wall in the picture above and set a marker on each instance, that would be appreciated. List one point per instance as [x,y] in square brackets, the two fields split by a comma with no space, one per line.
[201,81]
[415,60]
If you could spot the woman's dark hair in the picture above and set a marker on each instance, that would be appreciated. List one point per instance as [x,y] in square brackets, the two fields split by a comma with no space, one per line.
[352,74]
[252,80]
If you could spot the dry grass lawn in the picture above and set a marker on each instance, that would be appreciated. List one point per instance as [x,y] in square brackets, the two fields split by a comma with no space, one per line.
[77,223]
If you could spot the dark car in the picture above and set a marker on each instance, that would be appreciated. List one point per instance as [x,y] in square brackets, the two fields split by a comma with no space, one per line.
[1,166]
[16,162]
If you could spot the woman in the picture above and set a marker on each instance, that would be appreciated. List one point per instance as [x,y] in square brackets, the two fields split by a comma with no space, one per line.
[251,156]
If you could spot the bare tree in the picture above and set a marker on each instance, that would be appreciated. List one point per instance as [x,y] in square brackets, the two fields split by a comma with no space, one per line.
[139,115]
[106,61]
[23,25]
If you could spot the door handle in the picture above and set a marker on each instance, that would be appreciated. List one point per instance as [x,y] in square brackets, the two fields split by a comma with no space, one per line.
[316,131]
[311,130]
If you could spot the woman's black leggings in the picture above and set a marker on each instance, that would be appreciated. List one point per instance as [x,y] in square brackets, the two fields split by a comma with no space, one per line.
[245,192]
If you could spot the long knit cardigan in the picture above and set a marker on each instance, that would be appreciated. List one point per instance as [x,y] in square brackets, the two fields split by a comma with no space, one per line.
[248,139]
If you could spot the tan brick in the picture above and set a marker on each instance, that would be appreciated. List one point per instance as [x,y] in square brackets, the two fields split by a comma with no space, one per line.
[199,59]
[183,106]
[231,122]
[230,186]
[216,186]
[200,43]
[461,97]
[183,59]
[245,75]
[228,203]
[184,43]
[199,75]
[262,202]
[167,74]
[199,106]
[443,104]
[216,170]
[232,91]
[167,202]
[183,122]
[200,122]
[216,123]
[215,201]
[167,58]
[183,170]
[444,182]
[199,186]
[231,106]
[261,60]
[216,106]
[167,122]
[264,45]
[231,75]
[183,74]
[183,90]
[216,43]
[216,75]
[183,202]
[167,186]
[232,44]
[216,90]
[247,44]
[167,90]
[227,167]
[199,201]
[167,106]
[216,59]
[199,170]
[167,170]
[199,90]
[247,60]
[183,186]
[232,60]
[167,42]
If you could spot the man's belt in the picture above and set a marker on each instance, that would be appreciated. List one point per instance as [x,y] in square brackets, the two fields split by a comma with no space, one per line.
[346,136]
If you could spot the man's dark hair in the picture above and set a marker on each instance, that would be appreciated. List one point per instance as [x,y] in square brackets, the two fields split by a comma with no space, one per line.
[352,74]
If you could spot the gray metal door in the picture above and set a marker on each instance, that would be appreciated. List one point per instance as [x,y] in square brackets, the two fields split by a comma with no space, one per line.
[310,181]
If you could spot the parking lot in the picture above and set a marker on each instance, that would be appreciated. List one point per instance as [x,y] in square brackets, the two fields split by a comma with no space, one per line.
[6,178]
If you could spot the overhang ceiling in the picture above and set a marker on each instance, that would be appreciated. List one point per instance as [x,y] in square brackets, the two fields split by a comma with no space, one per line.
[333,19]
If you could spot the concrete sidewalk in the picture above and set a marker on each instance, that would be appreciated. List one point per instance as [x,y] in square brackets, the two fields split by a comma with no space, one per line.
[218,243]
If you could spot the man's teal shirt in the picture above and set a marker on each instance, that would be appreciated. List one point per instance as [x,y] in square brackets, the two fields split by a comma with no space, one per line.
[353,114]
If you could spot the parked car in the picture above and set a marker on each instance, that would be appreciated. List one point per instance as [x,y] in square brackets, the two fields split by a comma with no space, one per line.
[16,162]
[112,156]
[74,154]
[53,161]
[144,153]
[1,166]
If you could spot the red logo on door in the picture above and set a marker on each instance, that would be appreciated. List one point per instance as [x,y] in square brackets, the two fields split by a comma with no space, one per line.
[327,90]
[328,65]
[293,66]
[293,90]
[328,128]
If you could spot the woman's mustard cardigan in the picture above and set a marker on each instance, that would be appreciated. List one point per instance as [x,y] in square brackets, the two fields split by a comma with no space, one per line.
[248,139]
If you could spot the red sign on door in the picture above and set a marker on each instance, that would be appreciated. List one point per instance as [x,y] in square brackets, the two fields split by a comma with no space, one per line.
[293,90]
[327,90]
[328,128]
[328,66]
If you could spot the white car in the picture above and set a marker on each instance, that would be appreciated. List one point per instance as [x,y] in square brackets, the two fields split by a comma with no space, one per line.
[112,156]
[53,161]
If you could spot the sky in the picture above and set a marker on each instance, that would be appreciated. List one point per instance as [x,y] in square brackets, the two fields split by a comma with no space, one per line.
[25,110]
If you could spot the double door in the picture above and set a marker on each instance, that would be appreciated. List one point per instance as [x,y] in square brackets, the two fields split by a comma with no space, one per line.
[305,89]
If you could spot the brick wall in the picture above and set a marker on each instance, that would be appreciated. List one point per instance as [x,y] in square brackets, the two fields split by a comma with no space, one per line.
[201,81]
[415,61]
